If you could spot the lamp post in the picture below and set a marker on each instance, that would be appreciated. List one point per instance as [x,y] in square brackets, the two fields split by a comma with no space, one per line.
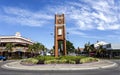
[52,35]
[0,45]
[67,35]
[52,49]
[0,42]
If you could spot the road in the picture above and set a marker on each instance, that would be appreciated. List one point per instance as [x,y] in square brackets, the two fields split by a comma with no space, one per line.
[110,71]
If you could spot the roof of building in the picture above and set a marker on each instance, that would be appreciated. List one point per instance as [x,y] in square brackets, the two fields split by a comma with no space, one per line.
[100,43]
[81,49]
[16,38]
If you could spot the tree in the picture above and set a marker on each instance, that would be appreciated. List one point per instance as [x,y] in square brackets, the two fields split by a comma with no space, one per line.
[51,51]
[9,49]
[36,48]
[100,51]
[89,48]
[60,47]
[69,47]
[30,48]
[44,49]
[78,51]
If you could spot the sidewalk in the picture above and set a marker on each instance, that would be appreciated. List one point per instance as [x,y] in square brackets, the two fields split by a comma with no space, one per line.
[87,66]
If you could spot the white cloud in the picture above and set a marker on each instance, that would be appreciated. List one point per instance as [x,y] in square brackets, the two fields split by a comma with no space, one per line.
[91,14]
[100,15]
[84,14]
[75,31]
[20,16]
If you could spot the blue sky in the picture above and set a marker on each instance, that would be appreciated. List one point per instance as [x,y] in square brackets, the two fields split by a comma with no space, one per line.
[86,20]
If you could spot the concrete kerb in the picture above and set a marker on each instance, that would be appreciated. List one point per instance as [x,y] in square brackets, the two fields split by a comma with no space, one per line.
[110,66]
[96,65]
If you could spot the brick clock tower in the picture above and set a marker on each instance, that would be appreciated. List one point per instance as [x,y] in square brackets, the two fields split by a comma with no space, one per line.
[60,34]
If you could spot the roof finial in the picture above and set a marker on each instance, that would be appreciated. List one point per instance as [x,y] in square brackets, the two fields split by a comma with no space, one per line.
[18,34]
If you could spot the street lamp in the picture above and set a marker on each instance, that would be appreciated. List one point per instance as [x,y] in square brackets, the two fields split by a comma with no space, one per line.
[67,35]
[0,47]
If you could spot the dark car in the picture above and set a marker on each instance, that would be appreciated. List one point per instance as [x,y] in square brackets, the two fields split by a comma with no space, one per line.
[3,58]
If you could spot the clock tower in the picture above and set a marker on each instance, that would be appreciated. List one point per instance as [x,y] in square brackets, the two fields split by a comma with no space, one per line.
[60,35]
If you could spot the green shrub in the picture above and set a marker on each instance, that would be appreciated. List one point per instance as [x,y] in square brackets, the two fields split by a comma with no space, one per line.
[50,61]
[49,57]
[62,61]
[59,60]
[68,58]
[47,62]
[56,61]
[76,59]
[30,61]
[88,59]
[71,62]
[42,58]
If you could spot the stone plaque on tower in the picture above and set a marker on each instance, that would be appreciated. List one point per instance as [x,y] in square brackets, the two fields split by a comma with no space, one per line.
[60,34]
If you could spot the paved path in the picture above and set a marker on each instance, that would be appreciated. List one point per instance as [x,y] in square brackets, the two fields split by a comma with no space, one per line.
[87,66]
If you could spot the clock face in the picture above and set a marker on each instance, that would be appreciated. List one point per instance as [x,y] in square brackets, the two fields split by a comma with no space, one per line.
[59,21]
[59,31]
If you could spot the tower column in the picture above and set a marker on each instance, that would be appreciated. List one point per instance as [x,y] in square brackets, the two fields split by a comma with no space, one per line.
[56,44]
[60,34]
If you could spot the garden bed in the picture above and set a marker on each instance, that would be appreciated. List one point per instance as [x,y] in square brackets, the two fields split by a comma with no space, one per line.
[58,60]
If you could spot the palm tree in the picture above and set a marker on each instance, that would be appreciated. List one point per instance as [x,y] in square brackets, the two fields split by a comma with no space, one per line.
[43,49]
[89,48]
[100,51]
[9,49]
[36,48]
[30,48]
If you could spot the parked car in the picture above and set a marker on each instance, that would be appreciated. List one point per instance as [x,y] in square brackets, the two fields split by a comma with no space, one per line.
[84,54]
[3,58]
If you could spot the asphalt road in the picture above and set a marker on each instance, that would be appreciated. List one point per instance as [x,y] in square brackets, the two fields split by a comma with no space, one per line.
[110,71]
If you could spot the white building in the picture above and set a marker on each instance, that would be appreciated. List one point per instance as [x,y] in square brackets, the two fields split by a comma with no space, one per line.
[101,43]
[20,44]
[112,49]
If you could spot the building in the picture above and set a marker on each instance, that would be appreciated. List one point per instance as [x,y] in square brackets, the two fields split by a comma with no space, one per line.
[112,50]
[19,45]
[101,43]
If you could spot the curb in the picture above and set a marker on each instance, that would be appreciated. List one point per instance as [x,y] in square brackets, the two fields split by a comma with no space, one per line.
[110,66]
[57,68]
[49,69]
